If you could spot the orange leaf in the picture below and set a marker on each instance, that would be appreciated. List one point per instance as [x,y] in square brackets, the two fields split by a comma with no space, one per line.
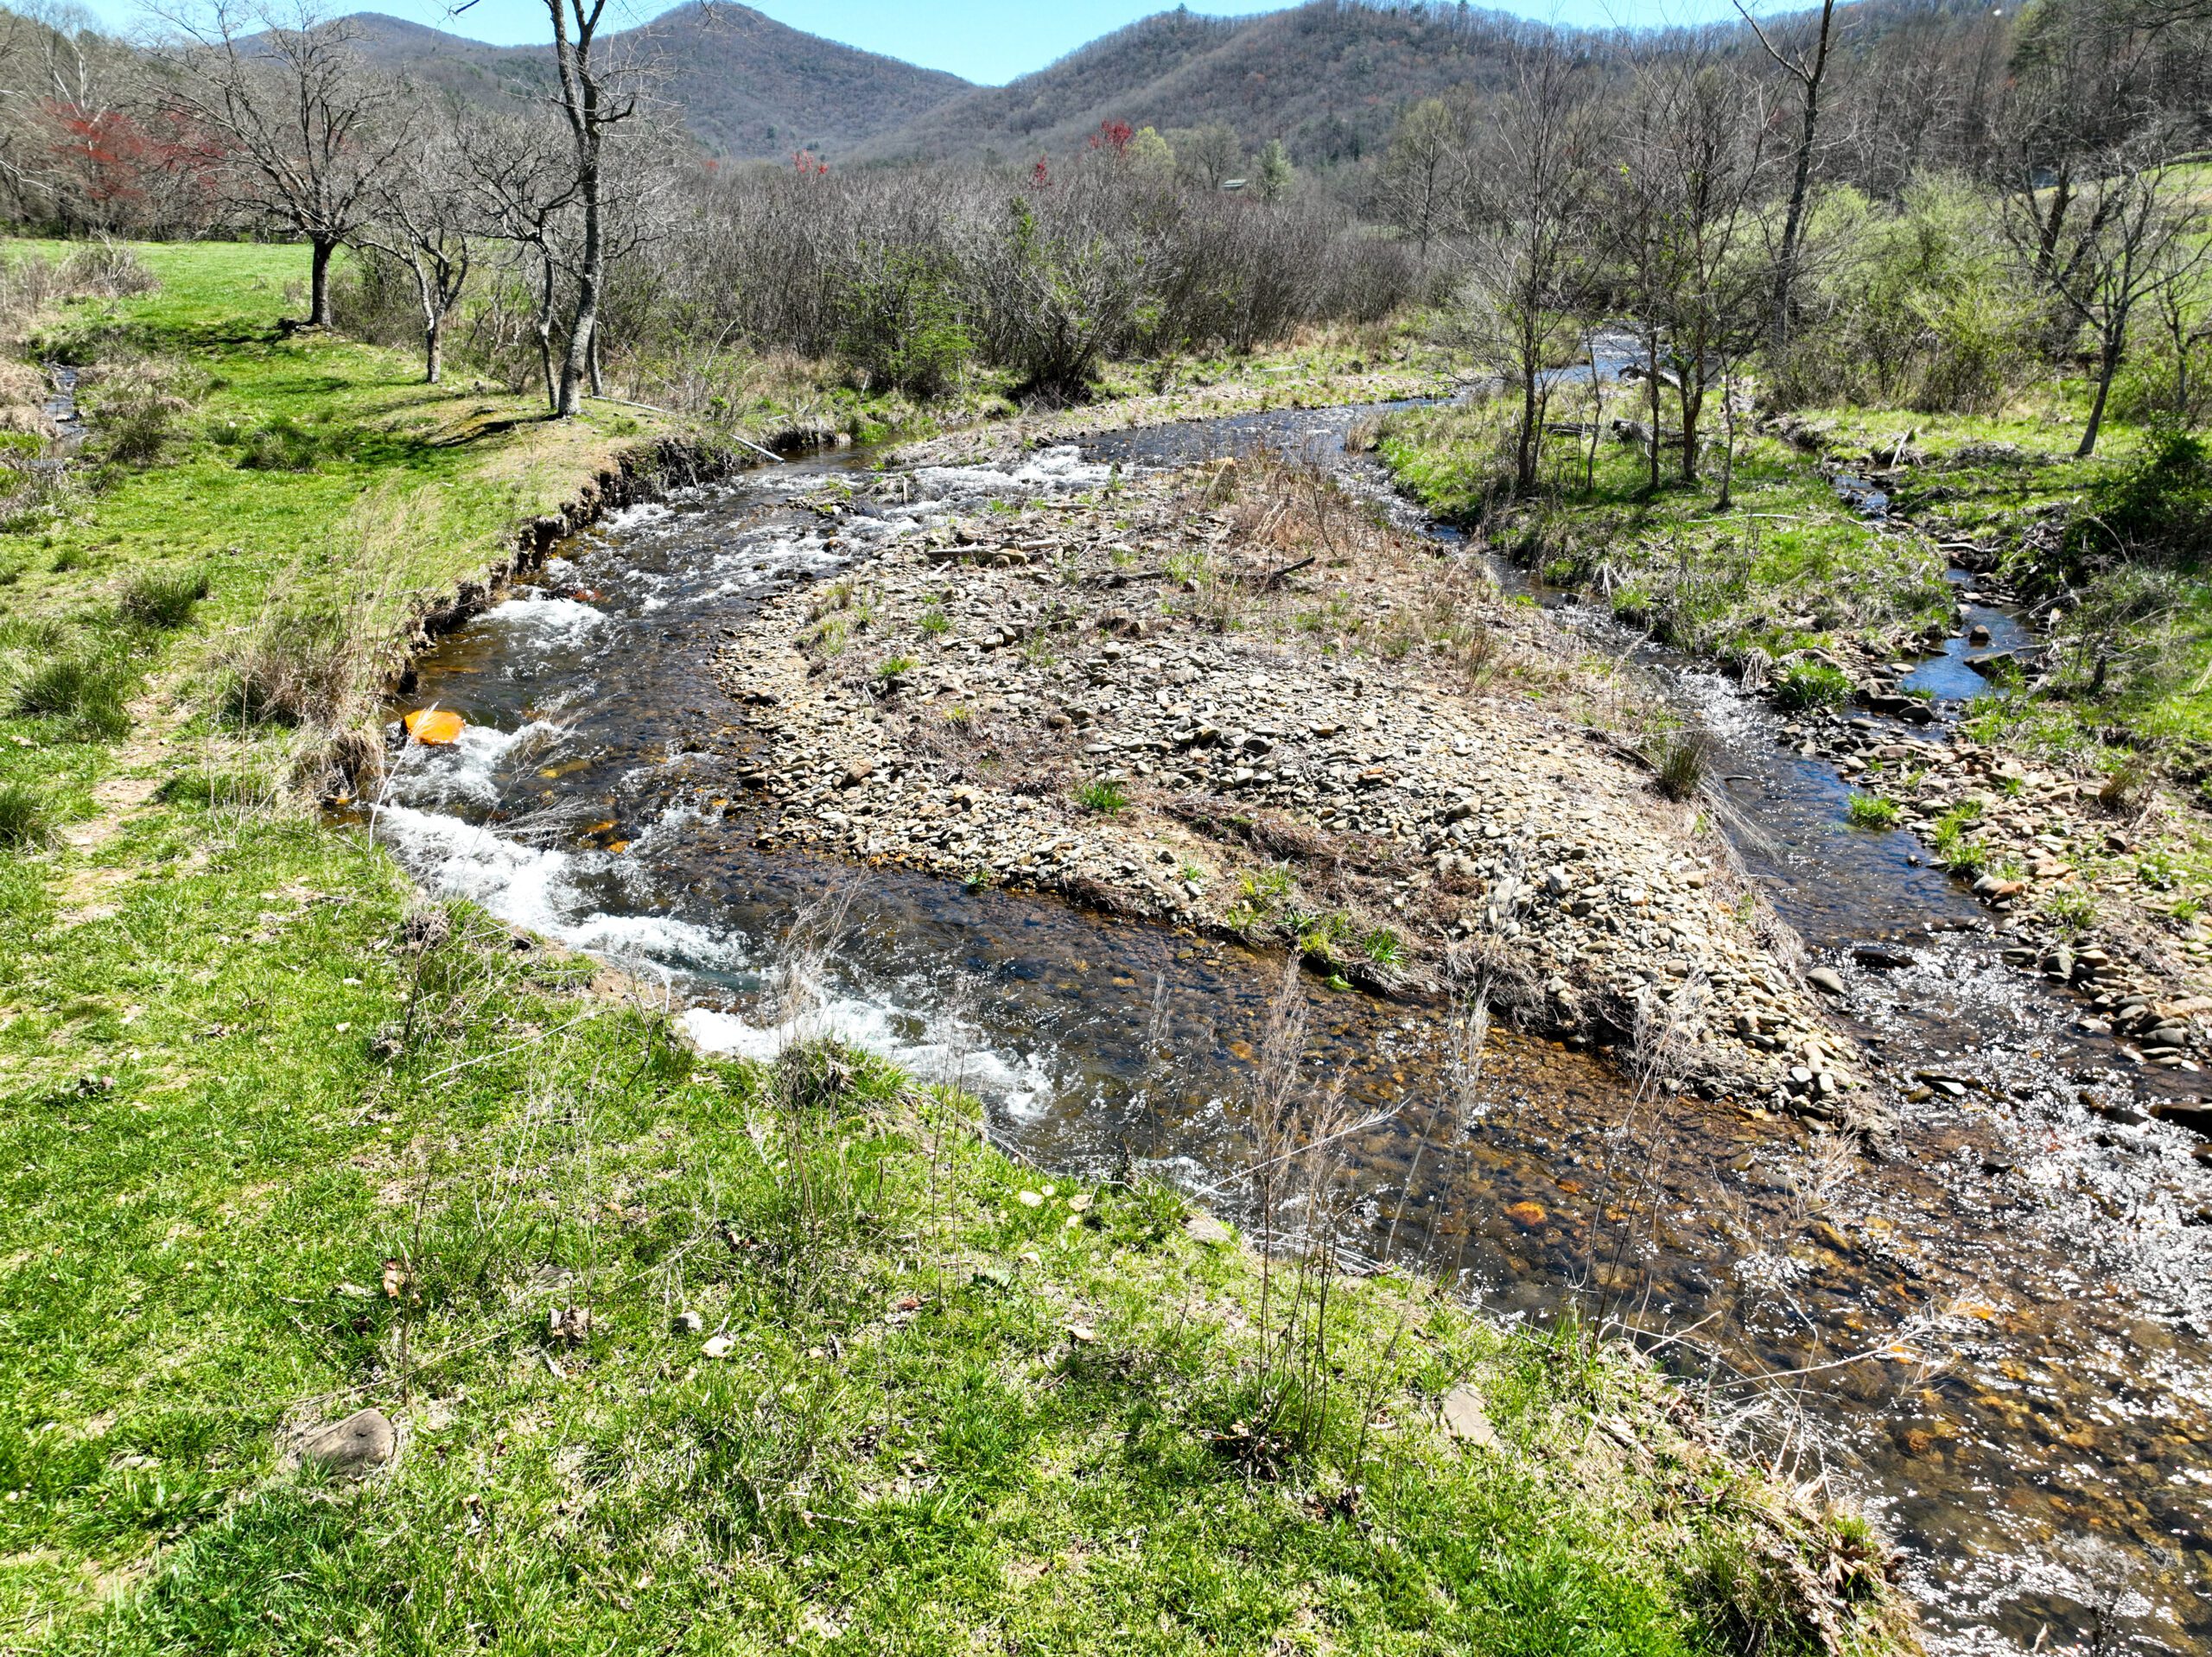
[434,728]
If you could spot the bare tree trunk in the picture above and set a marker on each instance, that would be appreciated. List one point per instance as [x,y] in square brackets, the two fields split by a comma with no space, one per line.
[433,351]
[1691,393]
[1525,464]
[1728,424]
[590,272]
[1651,381]
[2114,342]
[546,339]
[319,283]
[1597,409]
[598,382]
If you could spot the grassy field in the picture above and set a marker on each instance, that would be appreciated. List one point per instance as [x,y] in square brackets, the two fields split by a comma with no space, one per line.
[680,1355]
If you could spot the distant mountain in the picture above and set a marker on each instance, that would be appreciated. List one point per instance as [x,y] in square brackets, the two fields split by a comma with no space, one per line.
[745,85]
[1329,79]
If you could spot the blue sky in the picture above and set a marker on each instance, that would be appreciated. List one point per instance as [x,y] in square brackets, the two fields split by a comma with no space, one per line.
[991,40]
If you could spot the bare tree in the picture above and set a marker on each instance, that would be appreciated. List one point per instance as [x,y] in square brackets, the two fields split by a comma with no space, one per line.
[2139,230]
[70,145]
[421,219]
[526,188]
[595,96]
[1208,156]
[1415,186]
[300,116]
[1695,159]
[1808,69]
[1536,157]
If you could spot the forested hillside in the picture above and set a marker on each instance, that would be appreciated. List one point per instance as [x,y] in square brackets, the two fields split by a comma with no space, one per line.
[743,84]
[1327,79]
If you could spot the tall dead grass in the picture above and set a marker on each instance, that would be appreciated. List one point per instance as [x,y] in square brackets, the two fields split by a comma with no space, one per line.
[334,634]
[1292,524]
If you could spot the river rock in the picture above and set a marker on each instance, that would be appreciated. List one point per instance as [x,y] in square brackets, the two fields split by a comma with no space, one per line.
[1826,979]
[1465,1419]
[1882,957]
[1443,821]
[360,1443]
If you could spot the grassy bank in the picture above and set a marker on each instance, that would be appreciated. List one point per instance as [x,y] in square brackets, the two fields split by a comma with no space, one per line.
[1793,562]
[2113,714]
[680,1355]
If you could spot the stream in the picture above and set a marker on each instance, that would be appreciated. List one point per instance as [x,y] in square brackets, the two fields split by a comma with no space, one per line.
[1997,1332]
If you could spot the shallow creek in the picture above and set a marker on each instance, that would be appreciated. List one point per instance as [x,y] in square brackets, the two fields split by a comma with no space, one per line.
[2029,1279]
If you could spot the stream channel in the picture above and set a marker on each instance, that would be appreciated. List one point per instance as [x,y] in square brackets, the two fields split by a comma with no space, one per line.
[1996,1332]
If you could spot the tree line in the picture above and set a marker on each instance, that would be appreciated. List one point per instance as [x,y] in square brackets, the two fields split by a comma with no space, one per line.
[1739,195]
[1897,202]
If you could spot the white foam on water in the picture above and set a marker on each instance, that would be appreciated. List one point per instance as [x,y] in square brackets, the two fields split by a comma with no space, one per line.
[1019,1083]
[1051,471]
[541,891]
[466,771]
[538,889]
[628,518]
[544,622]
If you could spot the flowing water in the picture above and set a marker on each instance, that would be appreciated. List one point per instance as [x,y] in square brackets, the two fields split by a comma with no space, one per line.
[2029,1277]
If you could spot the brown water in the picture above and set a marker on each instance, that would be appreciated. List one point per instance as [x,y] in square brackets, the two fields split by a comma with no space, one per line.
[2029,1277]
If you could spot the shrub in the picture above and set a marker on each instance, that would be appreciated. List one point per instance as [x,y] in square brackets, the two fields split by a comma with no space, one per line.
[24,820]
[903,328]
[2159,509]
[2124,635]
[107,269]
[1871,811]
[1811,684]
[1919,306]
[134,403]
[296,667]
[163,599]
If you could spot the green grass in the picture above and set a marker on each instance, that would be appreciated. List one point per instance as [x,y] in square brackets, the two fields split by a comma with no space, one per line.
[1787,566]
[163,598]
[279,1140]
[1811,685]
[904,1441]
[1871,811]
[24,820]
[1103,796]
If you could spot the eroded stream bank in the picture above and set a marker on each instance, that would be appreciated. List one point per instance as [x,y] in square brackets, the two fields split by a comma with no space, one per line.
[2027,1276]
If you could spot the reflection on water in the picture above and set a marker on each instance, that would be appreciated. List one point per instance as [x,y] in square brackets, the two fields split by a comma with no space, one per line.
[2030,1277]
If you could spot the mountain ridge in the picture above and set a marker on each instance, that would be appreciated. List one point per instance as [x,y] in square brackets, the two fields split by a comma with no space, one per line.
[746,85]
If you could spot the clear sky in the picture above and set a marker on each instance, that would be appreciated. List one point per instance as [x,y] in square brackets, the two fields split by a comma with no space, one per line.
[990,40]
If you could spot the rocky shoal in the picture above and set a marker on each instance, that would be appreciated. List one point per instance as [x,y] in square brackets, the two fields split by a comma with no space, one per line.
[1122,690]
